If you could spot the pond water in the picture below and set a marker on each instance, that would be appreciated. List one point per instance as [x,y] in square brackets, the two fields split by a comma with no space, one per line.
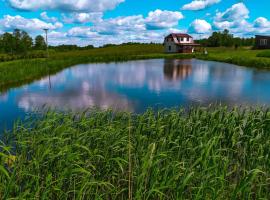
[136,85]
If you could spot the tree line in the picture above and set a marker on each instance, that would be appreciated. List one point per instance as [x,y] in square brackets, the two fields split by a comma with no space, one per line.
[65,47]
[225,39]
[20,42]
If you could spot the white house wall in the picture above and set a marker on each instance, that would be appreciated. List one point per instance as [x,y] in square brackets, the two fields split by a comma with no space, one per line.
[185,40]
[173,47]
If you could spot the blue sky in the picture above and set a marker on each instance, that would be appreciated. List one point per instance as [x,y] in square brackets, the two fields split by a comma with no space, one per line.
[99,22]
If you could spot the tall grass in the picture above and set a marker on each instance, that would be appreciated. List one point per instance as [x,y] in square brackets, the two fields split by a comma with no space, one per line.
[200,153]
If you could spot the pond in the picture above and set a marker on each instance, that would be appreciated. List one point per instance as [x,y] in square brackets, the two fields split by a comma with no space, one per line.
[136,85]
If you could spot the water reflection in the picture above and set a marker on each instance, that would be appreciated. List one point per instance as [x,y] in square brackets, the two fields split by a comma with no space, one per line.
[177,69]
[75,99]
[136,85]
[3,97]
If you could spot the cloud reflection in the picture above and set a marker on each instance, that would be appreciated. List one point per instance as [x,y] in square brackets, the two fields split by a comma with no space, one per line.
[3,97]
[83,98]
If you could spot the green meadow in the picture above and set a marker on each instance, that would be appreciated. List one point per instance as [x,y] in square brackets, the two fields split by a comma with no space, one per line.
[199,153]
[242,56]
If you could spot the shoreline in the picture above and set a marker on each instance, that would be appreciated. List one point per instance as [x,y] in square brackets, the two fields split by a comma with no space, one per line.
[20,72]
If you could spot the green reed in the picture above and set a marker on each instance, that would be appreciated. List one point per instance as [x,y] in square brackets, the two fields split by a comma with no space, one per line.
[200,153]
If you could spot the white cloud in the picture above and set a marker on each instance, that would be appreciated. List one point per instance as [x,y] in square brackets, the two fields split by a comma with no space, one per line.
[87,35]
[234,19]
[159,19]
[129,29]
[66,5]
[262,22]
[56,34]
[82,32]
[120,25]
[81,18]
[199,4]
[45,17]
[261,26]
[9,23]
[200,26]
[156,20]
[237,12]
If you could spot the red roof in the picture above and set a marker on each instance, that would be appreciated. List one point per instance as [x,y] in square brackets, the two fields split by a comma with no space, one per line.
[179,35]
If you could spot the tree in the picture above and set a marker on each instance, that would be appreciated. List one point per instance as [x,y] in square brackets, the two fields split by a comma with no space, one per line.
[223,38]
[17,41]
[40,43]
[26,42]
[226,38]
[214,40]
[8,43]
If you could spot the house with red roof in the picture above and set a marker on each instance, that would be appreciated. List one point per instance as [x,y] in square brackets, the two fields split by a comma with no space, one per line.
[179,43]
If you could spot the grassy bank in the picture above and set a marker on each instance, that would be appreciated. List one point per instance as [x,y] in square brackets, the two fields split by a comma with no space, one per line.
[264,54]
[199,154]
[242,57]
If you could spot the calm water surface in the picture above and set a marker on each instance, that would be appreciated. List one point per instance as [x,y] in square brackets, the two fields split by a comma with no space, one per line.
[136,85]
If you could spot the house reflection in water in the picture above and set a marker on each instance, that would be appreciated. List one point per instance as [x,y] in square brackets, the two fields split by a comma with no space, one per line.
[177,69]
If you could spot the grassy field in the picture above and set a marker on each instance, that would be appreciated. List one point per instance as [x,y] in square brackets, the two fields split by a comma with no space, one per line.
[19,72]
[264,54]
[242,56]
[201,153]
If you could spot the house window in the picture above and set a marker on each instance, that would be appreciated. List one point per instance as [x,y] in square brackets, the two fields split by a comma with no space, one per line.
[170,48]
[263,42]
[188,39]
[182,39]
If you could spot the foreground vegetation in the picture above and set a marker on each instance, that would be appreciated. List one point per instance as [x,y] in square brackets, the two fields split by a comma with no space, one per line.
[201,153]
